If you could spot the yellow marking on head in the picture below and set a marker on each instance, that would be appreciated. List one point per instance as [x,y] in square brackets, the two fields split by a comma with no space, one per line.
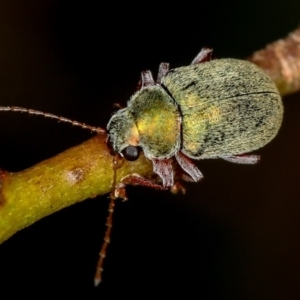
[133,136]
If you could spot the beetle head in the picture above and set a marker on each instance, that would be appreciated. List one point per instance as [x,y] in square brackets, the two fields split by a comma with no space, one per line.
[123,134]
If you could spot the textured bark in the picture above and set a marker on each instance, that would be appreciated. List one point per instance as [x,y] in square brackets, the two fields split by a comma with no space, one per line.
[281,60]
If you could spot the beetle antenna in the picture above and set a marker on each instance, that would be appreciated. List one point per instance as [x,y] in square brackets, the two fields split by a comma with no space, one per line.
[106,241]
[48,115]
[109,221]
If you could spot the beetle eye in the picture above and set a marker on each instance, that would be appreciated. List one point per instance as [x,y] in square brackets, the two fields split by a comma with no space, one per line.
[131,153]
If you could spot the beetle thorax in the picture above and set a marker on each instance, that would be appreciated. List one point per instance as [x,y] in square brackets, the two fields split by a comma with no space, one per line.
[151,121]
[158,122]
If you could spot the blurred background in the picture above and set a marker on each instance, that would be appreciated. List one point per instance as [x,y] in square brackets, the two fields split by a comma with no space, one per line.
[234,235]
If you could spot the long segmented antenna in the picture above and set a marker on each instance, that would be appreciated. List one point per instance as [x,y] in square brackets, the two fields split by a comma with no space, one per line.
[48,115]
[106,241]
[109,222]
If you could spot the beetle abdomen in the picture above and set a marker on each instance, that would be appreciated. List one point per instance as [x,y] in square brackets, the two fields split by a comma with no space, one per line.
[228,107]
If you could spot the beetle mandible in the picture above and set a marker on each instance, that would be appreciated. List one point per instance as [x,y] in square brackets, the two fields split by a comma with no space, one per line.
[223,108]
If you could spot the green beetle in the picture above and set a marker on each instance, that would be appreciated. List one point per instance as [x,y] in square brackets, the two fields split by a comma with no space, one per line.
[221,108]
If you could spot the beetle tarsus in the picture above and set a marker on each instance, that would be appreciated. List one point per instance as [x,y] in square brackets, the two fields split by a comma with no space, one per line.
[162,71]
[164,168]
[135,179]
[188,166]
[243,159]
[147,79]
[203,55]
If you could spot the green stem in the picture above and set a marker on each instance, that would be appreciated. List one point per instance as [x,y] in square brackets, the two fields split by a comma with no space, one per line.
[79,173]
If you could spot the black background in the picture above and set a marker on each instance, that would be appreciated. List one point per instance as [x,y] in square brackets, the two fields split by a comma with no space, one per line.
[235,235]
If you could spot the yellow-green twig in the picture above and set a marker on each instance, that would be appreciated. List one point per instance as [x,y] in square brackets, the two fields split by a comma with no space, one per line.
[79,173]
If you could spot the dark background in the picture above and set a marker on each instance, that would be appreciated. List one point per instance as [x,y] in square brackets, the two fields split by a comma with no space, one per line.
[235,235]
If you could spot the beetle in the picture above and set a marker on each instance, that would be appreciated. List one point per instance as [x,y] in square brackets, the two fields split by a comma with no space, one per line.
[223,108]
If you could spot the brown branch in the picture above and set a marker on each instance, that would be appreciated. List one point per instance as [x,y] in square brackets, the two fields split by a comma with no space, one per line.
[281,60]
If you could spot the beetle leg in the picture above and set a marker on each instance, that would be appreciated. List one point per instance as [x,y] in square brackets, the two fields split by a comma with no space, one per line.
[242,159]
[188,166]
[164,168]
[203,55]
[147,79]
[162,71]
[135,179]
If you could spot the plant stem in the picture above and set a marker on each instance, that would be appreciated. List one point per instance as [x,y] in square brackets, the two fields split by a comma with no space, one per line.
[79,173]
[281,60]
